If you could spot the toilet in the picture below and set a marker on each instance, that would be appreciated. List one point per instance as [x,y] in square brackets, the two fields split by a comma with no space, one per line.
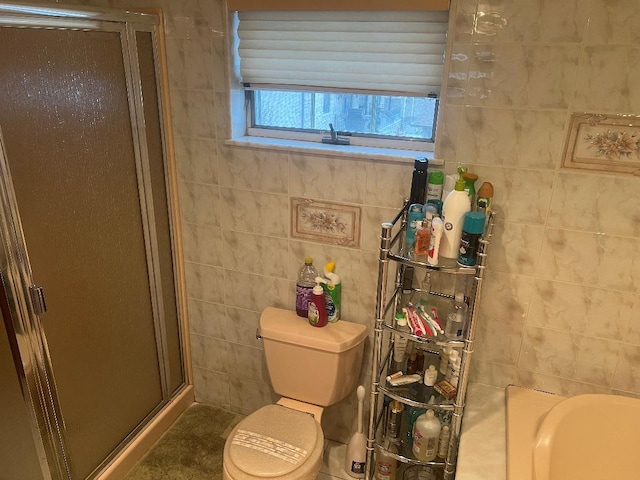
[311,368]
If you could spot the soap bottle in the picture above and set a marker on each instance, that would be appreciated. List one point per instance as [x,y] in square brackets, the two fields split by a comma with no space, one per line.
[455,206]
[317,305]
[426,434]
[306,280]
[333,289]
[429,380]
[423,237]
[411,414]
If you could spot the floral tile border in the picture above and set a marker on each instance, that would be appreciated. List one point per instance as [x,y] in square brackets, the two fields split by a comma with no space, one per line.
[325,222]
[601,142]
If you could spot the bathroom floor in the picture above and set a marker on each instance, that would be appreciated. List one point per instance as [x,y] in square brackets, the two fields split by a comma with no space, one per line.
[192,449]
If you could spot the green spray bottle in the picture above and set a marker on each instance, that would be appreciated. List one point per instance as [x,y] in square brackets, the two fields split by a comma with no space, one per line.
[333,289]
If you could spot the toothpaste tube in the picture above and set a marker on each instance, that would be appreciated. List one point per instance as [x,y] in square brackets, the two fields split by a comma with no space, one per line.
[405,380]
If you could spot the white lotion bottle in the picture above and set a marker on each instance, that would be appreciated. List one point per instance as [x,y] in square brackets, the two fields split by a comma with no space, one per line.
[454,207]
[400,342]
[426,434]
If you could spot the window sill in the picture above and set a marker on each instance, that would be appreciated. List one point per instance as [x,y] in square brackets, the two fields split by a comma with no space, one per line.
[345,151]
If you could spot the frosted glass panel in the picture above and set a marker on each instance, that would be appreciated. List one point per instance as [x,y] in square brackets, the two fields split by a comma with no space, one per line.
[154,145]
[66,124]
[18,455]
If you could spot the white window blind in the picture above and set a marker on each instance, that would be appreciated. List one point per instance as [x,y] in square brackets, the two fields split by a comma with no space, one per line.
[397,53]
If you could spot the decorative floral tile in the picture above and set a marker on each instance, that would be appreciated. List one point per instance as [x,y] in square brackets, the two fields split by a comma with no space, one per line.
[325,222]
[603,142]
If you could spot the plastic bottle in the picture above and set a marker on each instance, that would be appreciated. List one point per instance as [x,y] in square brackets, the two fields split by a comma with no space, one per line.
[412,413]
[456,318]
[443,443]
[385,464]
[472,229]
[304,286]
[317,305]
[423,237]
[437,228]
[455,206]
[453,369]
[470,186]
[400,342]
[429,380]
[333,288]
[434,185]
[414,215]
[419,181]
[444,359]
[426,434]
[484,198]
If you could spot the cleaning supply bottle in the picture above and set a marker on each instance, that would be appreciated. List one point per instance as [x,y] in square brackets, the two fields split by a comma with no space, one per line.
[455,206]
[306,280]
[333,288]
[356,456]
[426,434]
[470,185]
[412,414]
[317,305]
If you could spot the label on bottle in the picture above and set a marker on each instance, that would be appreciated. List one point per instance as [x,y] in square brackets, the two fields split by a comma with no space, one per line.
[332,314]
[314,315]
[384,470]
[303,294]
[357,467]
[431,445]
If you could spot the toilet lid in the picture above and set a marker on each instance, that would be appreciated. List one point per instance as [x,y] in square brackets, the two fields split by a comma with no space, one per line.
[273,441]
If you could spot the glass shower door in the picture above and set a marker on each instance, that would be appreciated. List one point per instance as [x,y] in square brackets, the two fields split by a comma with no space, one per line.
[67,127]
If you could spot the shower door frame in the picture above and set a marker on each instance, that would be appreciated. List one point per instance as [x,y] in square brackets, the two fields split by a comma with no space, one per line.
[34,366]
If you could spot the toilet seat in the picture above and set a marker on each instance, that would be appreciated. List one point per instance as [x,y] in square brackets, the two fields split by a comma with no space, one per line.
[274,442]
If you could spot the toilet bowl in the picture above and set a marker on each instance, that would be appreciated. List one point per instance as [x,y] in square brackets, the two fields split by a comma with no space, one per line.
[311,368]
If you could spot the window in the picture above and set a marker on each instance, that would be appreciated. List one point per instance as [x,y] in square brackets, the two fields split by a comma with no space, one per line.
[373,76]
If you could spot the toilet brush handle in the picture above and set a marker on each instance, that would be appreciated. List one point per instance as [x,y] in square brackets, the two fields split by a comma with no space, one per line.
[360,392]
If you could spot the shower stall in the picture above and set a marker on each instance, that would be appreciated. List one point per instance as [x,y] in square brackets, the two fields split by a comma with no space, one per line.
[92,340]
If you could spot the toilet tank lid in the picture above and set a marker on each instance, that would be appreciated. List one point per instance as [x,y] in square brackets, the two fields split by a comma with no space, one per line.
[286,326]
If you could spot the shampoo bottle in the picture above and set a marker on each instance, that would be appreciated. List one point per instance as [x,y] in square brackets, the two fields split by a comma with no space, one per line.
[317,305]
[455,206]
[333,289]
[426,434]
[400,342]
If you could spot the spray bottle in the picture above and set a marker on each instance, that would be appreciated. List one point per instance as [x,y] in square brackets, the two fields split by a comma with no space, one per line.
[333,290]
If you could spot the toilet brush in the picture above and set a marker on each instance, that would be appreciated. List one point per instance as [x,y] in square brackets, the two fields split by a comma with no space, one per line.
[356,448]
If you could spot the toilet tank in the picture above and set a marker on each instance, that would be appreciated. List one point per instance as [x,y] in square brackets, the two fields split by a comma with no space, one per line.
[310,364]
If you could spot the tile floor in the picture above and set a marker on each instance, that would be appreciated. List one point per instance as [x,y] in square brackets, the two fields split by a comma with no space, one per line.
[333,462]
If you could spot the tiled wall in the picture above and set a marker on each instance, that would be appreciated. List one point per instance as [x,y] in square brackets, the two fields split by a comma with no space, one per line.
[561,308]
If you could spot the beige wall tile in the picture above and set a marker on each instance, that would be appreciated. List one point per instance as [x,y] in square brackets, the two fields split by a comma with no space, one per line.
[199,204]
[489,373]
[204,282]
[627,374]
[209,353]
[498,341]
[247,362]
[560,386]
[197,160]
[202,244]
[211,387]
[241,327]
[387,185]
[190,62]
[252,169]
[614,22]
[193,113]
[251,253]
[515,247]
[511,138]
[247,396]
[254,212]
[256,292]
[506,297]
[207,319]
